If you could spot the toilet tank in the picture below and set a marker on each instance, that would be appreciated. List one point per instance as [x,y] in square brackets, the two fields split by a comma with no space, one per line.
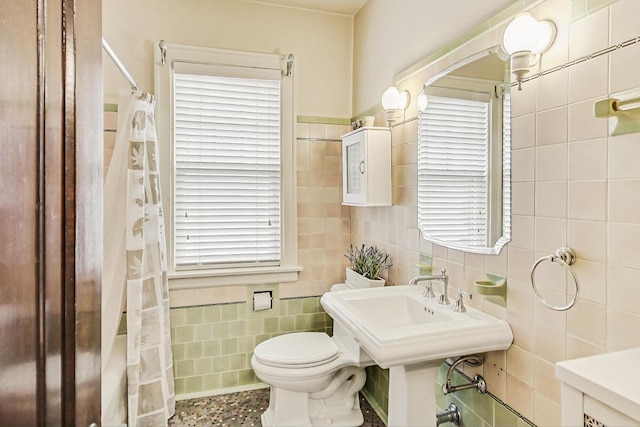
[349,346]
[345,340]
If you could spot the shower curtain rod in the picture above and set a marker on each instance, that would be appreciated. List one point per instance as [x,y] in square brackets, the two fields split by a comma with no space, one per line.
[119,64]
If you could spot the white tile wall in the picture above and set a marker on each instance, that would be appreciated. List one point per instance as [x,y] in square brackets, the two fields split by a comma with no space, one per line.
[572,185]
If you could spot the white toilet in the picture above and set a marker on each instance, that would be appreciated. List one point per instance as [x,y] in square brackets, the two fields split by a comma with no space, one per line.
[314,378]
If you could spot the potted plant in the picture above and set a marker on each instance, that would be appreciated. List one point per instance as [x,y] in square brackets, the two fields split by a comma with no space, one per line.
[367,263]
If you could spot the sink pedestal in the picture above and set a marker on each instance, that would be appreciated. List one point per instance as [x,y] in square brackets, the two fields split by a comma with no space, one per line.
[401,329]
[412,394]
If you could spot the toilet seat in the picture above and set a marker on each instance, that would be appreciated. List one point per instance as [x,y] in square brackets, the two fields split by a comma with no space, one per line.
[297,350]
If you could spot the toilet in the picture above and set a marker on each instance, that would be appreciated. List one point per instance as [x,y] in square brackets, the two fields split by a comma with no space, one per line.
[314,378]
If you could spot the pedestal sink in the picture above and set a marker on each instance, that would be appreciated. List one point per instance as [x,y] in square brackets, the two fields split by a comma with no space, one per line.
[412,336]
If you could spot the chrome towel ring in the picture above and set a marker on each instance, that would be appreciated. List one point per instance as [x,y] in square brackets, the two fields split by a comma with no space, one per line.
[565,257]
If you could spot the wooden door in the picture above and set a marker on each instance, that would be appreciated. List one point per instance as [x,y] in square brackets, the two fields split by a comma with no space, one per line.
[50,211]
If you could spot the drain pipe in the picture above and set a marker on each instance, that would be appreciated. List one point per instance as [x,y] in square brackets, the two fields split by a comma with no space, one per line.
[449,415]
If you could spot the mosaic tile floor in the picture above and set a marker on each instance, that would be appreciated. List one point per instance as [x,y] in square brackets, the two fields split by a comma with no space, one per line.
[240,409]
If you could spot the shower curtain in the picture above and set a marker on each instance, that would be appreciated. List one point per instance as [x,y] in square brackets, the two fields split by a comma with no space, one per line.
[134,260]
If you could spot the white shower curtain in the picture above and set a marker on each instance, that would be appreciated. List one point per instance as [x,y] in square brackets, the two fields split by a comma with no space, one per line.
[135,258]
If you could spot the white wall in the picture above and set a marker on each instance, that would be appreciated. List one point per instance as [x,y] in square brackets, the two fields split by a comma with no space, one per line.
[321,42]
[391,36]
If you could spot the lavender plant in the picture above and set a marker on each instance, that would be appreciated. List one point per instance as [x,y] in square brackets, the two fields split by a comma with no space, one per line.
[369,261]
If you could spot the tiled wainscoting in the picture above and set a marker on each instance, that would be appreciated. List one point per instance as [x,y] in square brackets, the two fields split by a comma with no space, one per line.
[213,344]
[476,409]
[482,410]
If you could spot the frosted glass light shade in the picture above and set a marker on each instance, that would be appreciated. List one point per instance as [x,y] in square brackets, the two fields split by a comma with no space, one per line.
[526,34]
[546,36]
[422,101]
[390,98]
[393,99]
[521,34]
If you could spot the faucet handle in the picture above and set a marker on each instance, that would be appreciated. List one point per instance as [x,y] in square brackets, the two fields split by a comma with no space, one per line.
[428,290]
[458,305]
[443,272]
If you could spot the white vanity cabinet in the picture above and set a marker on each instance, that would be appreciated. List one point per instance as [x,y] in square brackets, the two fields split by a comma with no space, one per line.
[366,167]
[601,390]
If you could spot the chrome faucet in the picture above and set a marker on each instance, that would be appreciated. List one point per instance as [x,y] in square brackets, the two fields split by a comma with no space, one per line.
[428,292]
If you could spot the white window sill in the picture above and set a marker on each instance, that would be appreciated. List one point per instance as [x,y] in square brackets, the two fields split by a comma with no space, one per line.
[232,276]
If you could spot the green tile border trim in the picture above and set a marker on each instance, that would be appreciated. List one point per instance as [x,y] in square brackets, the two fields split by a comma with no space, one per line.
[595,5]
[113,108]
[208,304]
[323,120]
[369,112]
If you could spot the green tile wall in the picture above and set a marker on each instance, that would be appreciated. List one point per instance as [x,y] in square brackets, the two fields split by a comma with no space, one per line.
[376,390]
[478,410]
[213,344]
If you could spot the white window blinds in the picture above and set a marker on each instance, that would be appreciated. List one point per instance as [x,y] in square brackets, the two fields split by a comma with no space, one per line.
[227,170]
[453,155]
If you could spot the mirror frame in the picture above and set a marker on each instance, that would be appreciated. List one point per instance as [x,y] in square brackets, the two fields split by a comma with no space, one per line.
[505,234]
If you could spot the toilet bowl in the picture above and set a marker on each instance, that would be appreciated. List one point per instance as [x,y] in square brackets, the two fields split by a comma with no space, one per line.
[314,378]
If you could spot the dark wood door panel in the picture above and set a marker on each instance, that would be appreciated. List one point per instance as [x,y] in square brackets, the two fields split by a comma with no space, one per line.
[50,211]
[18,213]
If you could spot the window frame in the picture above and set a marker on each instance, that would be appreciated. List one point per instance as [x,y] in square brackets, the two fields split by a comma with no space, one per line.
[288,269]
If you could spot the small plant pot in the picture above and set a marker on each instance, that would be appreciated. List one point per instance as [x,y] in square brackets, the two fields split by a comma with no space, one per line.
[359,281]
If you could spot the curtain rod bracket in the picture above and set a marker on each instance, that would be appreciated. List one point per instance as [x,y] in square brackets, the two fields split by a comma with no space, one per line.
[289,70]
[163,51]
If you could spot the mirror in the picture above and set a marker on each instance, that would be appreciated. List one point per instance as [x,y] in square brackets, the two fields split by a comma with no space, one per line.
[464,155]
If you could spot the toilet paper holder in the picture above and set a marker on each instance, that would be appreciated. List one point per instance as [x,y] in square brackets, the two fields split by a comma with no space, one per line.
[262,300]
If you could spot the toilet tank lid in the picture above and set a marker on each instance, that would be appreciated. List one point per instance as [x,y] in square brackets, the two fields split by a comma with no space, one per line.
[297,349]
[341,287]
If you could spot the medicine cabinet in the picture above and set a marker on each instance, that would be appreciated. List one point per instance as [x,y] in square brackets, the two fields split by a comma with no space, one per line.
[464,155]
[366,167]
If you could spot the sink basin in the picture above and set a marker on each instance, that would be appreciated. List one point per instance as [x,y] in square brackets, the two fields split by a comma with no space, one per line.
[396,325]
[394,311]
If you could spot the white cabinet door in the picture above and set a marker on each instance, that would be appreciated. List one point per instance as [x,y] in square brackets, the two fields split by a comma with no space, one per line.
[354,168]
[366,167]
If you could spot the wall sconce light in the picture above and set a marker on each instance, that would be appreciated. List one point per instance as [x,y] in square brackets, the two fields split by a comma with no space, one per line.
[393,100]
[526,39]
[422,101]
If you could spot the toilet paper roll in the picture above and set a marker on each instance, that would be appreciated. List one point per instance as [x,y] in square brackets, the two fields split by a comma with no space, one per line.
[261,301]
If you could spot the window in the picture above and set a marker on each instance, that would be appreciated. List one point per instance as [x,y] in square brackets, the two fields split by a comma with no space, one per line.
[227,170]
[229,141]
